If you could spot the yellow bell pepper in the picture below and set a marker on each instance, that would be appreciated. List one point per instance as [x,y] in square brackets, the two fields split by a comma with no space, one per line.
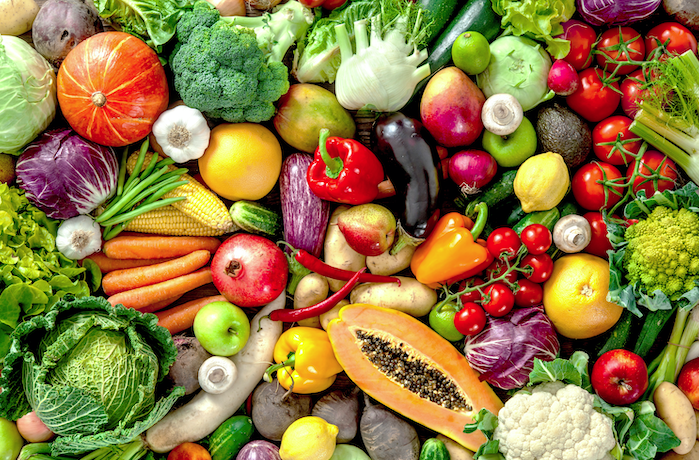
[305,360]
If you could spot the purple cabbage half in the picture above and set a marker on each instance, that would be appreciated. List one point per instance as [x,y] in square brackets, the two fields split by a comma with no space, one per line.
[616,12]
[504,351]
[66,175]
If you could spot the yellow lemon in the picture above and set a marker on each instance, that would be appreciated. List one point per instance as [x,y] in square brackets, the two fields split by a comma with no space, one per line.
[308,438]
[575,296]
[541,182]
[242,161]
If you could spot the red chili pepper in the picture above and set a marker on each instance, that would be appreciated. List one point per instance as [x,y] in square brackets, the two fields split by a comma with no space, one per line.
[290,316]
[314,264]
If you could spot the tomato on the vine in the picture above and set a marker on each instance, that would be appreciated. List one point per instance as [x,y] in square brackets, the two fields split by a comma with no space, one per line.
[497,268]
[582,38]
[599,242]
[597,96]
[503,242]
[528,294]
[604,140]
[470,296]
[471,319]
[651,161]
[590,192]
[536,238]
[541,264]
[619,45]
[499,299]
[672,36]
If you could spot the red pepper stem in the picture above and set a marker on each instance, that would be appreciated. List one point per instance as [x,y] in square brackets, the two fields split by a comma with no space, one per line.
[311,262]
[333,166]
[289,362]
[481,219]
[290,316]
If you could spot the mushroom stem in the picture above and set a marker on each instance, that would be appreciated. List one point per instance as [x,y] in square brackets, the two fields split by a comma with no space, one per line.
[217,374]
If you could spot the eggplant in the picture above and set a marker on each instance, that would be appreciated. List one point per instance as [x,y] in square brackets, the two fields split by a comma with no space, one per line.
[409,156]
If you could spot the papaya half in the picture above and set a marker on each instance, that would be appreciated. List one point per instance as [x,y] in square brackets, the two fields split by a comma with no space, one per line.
[408,367]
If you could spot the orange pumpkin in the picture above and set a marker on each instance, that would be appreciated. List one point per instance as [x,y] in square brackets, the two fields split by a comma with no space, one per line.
[112,88]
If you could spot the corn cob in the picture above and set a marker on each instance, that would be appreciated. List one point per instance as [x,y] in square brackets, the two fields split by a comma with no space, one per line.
[169,220]
[200,204]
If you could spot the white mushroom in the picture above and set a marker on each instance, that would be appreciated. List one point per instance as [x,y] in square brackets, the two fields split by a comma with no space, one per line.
[217,374]
[502,114]
[572,233]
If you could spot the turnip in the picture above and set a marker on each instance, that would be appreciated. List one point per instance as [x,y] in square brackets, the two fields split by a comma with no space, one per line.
[686,12]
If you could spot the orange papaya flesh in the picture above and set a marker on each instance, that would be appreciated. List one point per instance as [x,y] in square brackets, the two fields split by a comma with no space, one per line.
[405,365]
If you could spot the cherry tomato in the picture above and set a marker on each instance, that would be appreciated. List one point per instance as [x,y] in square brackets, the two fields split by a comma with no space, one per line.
[536,238]
[503,243]
[620,44]
[497,268]
[471,319]
[582,38]
[441,319]
[470,296]
[588,190]
[542,266]
[594,100]
[599,243]
[500,299]
[605,136]
[650,162]
[528,293]
[679,39]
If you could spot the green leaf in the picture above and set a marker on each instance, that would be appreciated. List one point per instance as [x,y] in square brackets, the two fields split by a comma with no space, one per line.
[558,369]
[485,421]
[649,435]
[93,274]
[19,298]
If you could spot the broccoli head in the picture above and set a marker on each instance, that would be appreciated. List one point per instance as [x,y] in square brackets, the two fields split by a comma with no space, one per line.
[220,70]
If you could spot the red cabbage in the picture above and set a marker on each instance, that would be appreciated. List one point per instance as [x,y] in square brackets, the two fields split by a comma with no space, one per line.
[616,12]
[66,175]
[504,351]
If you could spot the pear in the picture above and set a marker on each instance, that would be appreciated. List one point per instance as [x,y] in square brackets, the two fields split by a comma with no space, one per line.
[7,168]
[368,228]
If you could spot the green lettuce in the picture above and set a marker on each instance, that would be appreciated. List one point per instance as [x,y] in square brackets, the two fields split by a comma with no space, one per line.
[91,372]
[537,19]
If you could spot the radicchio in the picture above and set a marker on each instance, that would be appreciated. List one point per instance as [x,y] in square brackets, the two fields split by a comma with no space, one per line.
[616,12]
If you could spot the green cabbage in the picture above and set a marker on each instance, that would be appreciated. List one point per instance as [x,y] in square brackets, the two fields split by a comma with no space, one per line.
[28,96]
[90,371]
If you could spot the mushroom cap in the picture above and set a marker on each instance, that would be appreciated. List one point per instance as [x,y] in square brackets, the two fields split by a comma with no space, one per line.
[502,114]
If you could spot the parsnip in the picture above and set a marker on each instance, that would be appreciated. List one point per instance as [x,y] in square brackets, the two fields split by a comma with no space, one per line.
[17,16]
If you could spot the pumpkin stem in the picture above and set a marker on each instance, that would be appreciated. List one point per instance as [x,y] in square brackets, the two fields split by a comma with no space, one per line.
[98,98]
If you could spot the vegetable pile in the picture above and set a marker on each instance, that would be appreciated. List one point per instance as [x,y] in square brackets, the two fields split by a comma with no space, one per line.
[349,229]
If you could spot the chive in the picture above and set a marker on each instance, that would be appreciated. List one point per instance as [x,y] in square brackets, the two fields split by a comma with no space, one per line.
[139,162]
[128,197]
[141,209]
[122,172]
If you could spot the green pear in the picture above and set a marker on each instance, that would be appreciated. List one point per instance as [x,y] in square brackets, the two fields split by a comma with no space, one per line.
[7,168]
[368,228]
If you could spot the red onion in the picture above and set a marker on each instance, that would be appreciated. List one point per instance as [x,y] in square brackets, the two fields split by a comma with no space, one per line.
[472,169]
[259,450]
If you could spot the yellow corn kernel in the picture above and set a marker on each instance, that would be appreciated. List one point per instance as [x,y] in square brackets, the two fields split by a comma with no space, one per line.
[169,220]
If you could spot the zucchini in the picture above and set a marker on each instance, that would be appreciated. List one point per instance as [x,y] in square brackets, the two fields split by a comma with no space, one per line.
[494,193]
[545,218]
[619,334]
[434,449]
[230,437]
[439,14]
[256,218]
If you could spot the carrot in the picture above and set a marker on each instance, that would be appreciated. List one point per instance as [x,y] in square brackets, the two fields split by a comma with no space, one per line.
[181,317]
[131,278]
[141,297]
[157,246]
[106,264]
[156,306]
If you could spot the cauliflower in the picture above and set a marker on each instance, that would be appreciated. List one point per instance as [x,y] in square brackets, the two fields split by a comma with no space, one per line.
[553,420]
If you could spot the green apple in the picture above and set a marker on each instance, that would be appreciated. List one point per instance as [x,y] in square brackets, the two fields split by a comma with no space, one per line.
[10,440]
[222,328]
[511,150]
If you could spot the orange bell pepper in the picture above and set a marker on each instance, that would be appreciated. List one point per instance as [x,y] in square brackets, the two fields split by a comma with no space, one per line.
[451,253]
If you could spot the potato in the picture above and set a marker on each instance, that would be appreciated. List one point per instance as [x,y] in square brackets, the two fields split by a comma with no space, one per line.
[17,16]
[676,411]
[386,264]
[691,455]
[456,450]
[312,288]
[336,251]
[411,297]
[328,316]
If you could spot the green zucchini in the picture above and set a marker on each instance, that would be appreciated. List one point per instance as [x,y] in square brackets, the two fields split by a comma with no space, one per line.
[256,218]
[439,14]
[230,437]
[495,192]
[434,449]
[619,334]
[546,218]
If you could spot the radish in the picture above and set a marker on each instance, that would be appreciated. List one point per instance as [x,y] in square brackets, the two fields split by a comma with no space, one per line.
[563,79]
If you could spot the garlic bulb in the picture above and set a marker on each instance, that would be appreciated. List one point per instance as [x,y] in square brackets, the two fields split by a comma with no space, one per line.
[183,133]
[78,237]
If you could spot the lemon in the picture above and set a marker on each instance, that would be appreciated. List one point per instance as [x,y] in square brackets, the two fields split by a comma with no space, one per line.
[471,52]
[308,438]
[575,297]
[542,181]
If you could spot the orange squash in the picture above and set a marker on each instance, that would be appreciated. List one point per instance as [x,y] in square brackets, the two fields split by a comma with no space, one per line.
[405,365]
[112,88]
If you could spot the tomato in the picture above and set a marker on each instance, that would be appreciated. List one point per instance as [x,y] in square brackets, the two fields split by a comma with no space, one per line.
[652,161]
[605,136]
[599,243]
[441,319]
[590,192]
[596,97]
[499,299]
[582,38]
[621,44]
[528,293]
[497,268]
[536,238]
[503,243]
[470,296]
[541,264]
[471,319]
[679,39]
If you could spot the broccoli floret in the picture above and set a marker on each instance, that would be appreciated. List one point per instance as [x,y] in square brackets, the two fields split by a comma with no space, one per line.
[663,251]
[220,69]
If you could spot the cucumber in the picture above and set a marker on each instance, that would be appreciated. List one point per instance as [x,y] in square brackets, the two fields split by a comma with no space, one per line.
[495,192]
[434,449]
[653,324]
[439,14]
[516,214]
[567,208]
[619,333]
[545,218]
[256,218]
[230,437]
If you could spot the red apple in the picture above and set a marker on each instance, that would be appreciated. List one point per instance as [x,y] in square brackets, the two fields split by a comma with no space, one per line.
[688,381]
[249,270]
[619,377]
[189,451]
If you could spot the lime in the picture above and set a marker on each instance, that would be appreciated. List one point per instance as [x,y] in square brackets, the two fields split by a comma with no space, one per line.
[471,52]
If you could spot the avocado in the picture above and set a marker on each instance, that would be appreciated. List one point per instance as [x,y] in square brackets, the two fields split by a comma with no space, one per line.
[562,131]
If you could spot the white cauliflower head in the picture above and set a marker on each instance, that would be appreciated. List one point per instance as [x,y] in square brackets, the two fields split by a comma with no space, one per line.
[553,421]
